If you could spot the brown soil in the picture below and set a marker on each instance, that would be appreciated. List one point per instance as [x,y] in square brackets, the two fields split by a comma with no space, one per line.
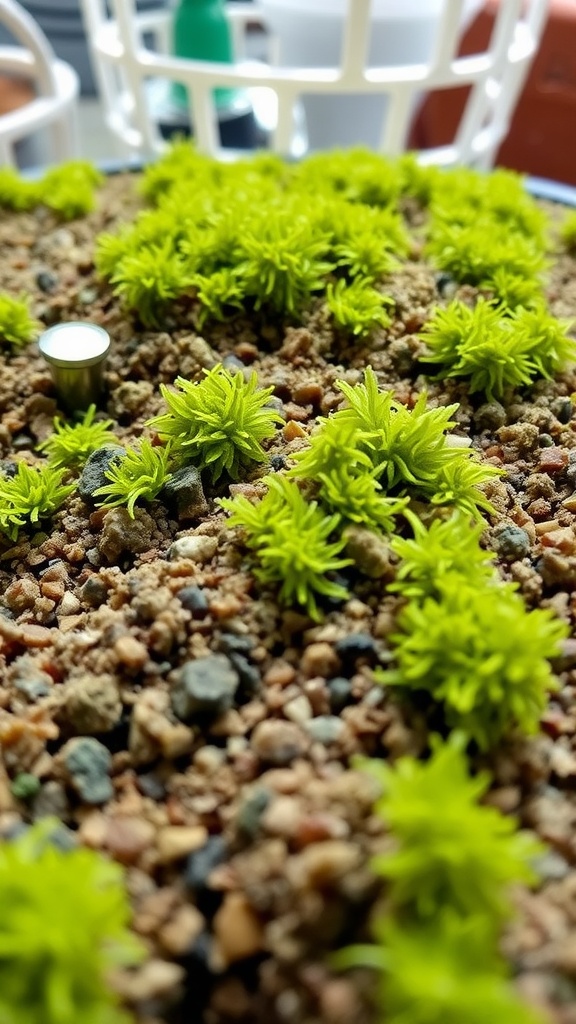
[247,839]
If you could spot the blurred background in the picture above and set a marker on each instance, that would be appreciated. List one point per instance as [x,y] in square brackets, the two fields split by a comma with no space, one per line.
[539,134]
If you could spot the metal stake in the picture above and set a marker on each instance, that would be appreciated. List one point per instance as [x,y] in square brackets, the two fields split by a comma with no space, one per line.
[76,352]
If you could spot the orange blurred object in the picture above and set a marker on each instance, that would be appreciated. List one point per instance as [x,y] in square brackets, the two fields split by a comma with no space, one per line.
[542,136]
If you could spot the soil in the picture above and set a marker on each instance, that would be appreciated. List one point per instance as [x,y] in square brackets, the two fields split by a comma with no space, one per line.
[246,837]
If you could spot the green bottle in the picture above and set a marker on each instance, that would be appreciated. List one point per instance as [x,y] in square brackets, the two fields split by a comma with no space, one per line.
[201,32]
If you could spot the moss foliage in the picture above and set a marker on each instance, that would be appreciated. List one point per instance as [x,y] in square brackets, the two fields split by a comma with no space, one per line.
[63,928]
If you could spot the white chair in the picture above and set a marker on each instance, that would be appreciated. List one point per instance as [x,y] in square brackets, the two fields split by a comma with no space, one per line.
[124,64]
[52,110]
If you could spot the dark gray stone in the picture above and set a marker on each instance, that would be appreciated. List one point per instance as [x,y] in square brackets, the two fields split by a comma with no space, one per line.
[325,729]
[46,281]
[94,592]
[511,542]
[490,416]
[193,599]
[340,693]
[251,811]
[184,493]
[88,764]
[205,688]
[93,475]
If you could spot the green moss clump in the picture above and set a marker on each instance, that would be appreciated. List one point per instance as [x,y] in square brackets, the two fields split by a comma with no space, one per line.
[218,423]
[357,307]
[71,444]
[34,493]
[139,475]
[478,654]
[63,930]
[446,547]
[495,350]
[449,849]
[291,539]
[68,190]
[17,327]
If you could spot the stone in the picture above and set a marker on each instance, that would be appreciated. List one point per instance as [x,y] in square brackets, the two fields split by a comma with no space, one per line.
[185,494]
[251,810]
[94,592]
[319,659]
[131,653]
[122,534]
[176,841]
[325,729]
[182,930]
[490,416]
[201,864]
[238,929]
[370,553]
[279,743]
[205,687]
[91,704]
[93,475]
[88,763]
[357,645]
[511,542]
[552,460]
[197,547]
[340,693]
[194,600]
[127,837]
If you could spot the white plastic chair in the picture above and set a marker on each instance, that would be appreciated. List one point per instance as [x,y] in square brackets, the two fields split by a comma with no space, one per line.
[53,109]
[123,64]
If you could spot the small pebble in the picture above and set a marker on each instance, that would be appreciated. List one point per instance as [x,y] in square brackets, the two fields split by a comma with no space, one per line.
[193,599]
[131,653]
[545,441]
[340,693]
[94,592]
[238,929]
[278,743]
[46,281]
[184,493]
[511,542]
[205,687]
[197,547]
[320,659]
[91,704]
[88,763]
[127,837]
[199,867]
[552,460]
[357,645]
[325,729]
[25,786]
[175,841]
[490,416]
[93,475]
[251,810]
[562,409]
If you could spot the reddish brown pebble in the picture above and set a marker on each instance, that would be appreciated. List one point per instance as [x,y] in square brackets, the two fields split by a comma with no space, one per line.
[127,838]
[308,394]
[238,929]
[552,460]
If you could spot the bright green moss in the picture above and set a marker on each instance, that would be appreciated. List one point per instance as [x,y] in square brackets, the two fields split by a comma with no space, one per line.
[17,326]
[149,279]
[71,444]
[139,475]
[448,849]
[357,307]
[63,931]
[478,653]
[446,546]
[17,193]
[291,540]
[218,423]
[443,972]
[69,189]
[495,351]
[34,493]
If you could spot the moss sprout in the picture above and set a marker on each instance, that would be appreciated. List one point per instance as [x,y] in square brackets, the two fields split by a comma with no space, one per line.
[17,326]
[495,351]
[479,654]
[139,475]
[148,279]
[34,493]
[449,849]
[291,539]
[68,189]
[445,547]
[218,423]
[71,443]
[63,930]
[357,307]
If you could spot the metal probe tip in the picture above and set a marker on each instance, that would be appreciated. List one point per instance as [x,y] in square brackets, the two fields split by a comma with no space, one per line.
[76,353]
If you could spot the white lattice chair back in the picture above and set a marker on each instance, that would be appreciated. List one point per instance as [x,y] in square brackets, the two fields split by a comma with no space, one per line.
[124,62]
[52,110]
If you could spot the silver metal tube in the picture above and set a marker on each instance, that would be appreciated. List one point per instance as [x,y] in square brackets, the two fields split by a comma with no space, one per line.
[76,353]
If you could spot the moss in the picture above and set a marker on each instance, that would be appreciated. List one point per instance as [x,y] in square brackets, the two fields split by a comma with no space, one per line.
[71,443]
[34,493]
[17,326]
